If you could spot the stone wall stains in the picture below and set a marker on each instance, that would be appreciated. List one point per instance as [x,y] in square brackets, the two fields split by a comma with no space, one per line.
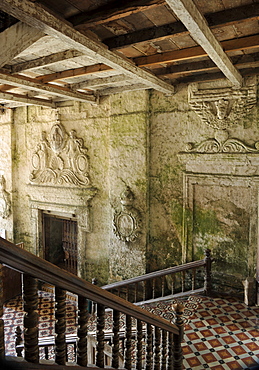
[135,140]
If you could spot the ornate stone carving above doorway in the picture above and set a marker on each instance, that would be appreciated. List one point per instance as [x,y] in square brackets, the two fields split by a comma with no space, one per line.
[127,220]
[222,143]
[223,107]
[60,159]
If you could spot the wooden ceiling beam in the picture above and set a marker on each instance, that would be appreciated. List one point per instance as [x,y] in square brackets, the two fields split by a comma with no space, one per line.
[121,89]
[11,97]
[77,72]
[243,43]
[37,16]
[15,39]
[33,85]
[108,13]
[45,61]
[215,20]
[95,82]
[244,61]
[193,20]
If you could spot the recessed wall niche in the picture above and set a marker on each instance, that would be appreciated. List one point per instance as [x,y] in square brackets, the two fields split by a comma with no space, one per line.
[60,185]
[221,209]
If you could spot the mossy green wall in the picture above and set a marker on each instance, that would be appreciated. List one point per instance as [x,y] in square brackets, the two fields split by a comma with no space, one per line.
[134,139]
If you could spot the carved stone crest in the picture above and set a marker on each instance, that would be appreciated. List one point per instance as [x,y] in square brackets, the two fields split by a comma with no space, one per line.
[127,221]
[5,202]
[60,159]
[222,143]
[223,107]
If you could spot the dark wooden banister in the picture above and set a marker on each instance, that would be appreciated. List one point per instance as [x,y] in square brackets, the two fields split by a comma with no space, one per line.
[34,267]
[152,276]
[26,262]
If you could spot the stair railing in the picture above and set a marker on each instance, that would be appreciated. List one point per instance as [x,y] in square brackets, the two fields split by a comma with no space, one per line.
[158,333]
[173,282]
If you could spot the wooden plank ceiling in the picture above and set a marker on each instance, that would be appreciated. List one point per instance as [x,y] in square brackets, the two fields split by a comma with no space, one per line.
[55,51]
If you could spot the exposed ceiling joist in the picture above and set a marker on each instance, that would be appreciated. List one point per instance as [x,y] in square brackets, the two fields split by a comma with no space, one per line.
[22,99]
[156,33]
[15,39]
[33,85]
[242,43]
[117,90]
[39,18]
[193,20]
[118,10]
[46,61]
[95,82]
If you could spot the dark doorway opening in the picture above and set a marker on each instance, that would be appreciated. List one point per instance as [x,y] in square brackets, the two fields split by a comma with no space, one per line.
[60,242]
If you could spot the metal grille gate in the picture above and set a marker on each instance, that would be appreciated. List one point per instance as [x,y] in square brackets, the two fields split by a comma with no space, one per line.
[60,242]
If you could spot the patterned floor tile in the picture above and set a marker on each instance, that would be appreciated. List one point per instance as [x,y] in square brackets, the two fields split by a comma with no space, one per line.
[220,334]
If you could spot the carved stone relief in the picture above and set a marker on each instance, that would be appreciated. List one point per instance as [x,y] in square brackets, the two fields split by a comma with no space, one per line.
[127,220]
[5,202]
[223,107]
[222,143]
[60,159]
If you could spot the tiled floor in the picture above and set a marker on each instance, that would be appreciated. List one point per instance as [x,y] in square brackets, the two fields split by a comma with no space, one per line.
[219,333]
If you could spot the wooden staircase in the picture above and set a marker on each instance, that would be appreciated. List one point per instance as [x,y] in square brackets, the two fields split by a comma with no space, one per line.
[155,341]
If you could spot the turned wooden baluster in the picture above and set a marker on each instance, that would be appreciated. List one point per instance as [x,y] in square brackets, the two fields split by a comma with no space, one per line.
[135,292]
[153,288]
[178,356]
[144,290]
[183,281]
[82,331]
[193,279]
[128,344]
[157,348]
[170,351]
[2,347]
[139,345]
[18,341]
[60,326]
[149,351]
[172,284]
[116,339]
[100,335]
[31,318]
[207,280]
[164,349]
[162,286]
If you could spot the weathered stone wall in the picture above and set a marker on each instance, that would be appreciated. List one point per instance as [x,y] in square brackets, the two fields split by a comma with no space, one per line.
[182,203]
[6,192]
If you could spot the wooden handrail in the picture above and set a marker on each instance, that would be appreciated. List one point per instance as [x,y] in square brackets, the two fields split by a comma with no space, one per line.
[153,283]
[155,274]
[28,263]
[158,331]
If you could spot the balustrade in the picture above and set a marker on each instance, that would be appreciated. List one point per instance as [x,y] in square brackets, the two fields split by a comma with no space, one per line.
[173,282]
[134,334]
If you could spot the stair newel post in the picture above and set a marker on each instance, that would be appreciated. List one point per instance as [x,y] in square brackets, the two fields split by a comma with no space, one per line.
[31,318]
[207,280]
[157,348]
[82,331]
[128,344]
[116,339]
[60,326]
[139,345]
[177,339]
[149,351]
[100,335]
[2,346]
